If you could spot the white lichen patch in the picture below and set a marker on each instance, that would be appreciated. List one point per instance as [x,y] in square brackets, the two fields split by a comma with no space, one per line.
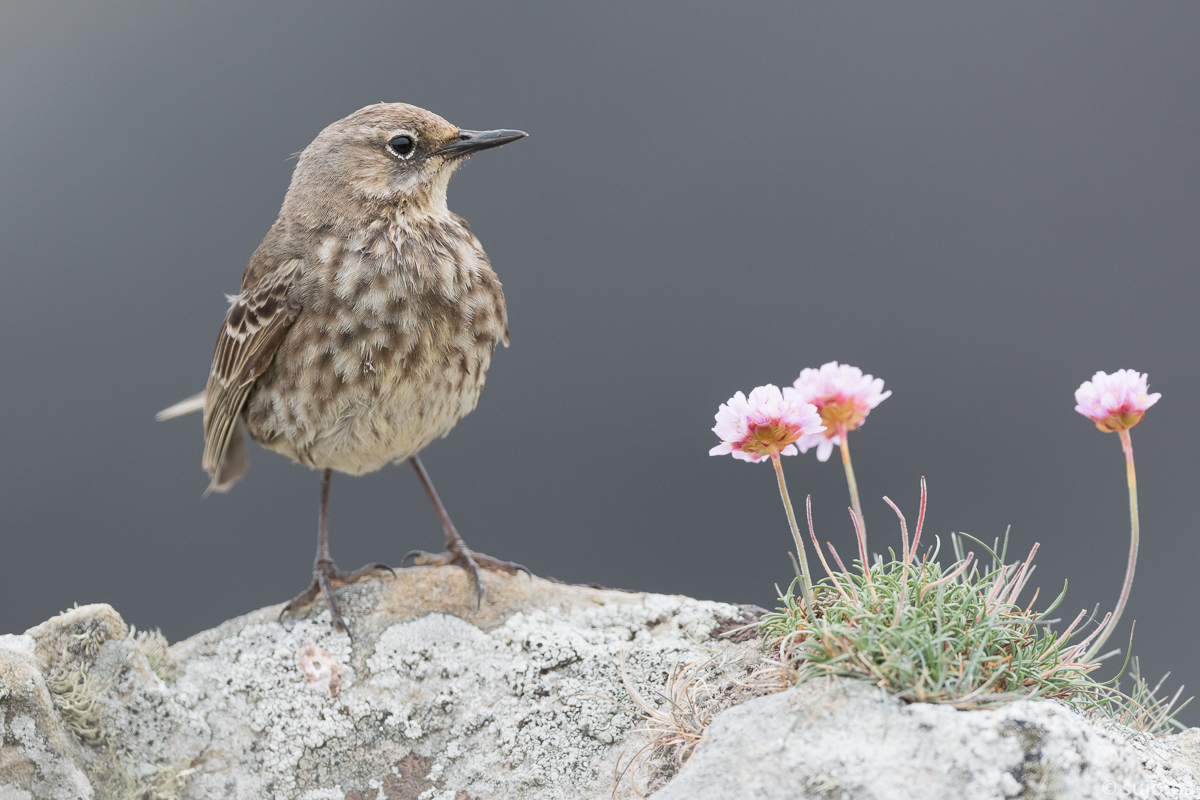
[535,707]
[531,705]
[149,729]
[532,708]
[263,714]
[18,643]
[830,738]
[56,777]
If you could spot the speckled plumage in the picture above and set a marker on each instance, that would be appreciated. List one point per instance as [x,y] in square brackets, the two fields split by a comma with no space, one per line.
[367,317]
[364,326]
[389,351]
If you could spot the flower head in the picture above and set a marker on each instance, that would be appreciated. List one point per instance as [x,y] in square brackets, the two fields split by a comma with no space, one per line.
[843,396]
[765,424]
[1115,402]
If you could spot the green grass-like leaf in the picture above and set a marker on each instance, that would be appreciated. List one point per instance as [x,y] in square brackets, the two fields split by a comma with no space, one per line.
[1142,709]
[925,633]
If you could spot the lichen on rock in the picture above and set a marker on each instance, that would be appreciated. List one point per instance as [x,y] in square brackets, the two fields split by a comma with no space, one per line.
[432,698]
[542,692]
[834,738]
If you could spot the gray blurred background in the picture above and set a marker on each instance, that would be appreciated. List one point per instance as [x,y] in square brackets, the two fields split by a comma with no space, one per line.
[981,204]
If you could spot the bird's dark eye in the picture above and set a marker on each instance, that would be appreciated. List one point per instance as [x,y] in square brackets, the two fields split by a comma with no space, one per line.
[401,145]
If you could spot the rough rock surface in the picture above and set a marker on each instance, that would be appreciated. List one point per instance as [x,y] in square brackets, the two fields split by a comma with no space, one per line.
[522,698]
[832,740]
[433,699]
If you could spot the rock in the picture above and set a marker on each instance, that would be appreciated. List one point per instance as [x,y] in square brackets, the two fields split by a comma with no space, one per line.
[433,698]
[829,739]
[38,757]
[543,692]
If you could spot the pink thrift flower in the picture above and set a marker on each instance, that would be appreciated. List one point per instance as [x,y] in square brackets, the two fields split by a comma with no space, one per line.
[843,396]
[765,423]
[1115,402]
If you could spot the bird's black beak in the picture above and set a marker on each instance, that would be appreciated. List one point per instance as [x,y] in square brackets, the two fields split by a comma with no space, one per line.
[473,141]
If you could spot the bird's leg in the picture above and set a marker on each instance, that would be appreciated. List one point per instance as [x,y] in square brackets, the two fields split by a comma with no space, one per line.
[326,575]
[456,551]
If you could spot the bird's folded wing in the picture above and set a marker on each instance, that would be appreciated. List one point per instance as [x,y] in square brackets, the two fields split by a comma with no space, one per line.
[257,321]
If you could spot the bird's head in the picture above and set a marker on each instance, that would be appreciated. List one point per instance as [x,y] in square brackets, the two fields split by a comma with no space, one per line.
[387,154]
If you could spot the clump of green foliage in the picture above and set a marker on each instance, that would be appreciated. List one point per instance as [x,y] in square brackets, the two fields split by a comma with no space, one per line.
[954,635]
[928,634]
[1142,709]
[925,633]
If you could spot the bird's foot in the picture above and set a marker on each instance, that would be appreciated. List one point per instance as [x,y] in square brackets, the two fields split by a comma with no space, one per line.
[474,563]
[326,578]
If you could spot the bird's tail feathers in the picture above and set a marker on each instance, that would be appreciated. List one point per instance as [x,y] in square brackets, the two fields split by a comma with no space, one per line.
[233,463]
[182,408]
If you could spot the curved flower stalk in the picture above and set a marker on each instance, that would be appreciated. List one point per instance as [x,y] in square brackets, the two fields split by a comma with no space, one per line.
[765,425]
[1116,403]
[843,396]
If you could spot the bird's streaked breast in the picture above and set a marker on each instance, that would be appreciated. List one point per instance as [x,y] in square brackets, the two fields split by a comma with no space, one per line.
[390,351]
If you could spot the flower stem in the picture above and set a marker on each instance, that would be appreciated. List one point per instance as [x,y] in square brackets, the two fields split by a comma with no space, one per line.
[854,501]
[1131,479]
[806,577]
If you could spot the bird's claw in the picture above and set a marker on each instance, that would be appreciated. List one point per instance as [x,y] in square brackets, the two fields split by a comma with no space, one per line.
[326,578]
[474,563]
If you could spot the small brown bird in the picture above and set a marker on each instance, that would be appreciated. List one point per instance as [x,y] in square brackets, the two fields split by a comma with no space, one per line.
[365,323]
